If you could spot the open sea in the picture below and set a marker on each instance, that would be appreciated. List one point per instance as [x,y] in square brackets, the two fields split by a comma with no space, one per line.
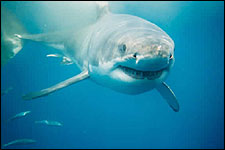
[96,117]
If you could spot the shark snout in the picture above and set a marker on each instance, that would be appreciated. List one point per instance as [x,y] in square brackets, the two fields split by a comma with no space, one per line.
[152,54]
[152,61]
[151,64]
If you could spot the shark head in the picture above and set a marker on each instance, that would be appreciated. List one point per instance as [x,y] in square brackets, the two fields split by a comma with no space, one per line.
[135,58]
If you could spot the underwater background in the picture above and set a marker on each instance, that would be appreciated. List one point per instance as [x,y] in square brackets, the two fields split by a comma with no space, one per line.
[97,117]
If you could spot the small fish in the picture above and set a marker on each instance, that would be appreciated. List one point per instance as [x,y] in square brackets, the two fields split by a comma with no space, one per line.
[53,55]
[19,115]
[20,141]
[50,123]
[5,91]
[65,60]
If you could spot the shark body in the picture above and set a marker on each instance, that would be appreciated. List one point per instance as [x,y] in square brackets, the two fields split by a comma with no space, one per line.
[122,52]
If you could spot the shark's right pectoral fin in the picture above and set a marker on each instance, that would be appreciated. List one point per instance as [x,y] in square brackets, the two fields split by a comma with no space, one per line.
[83,75]
[169,96]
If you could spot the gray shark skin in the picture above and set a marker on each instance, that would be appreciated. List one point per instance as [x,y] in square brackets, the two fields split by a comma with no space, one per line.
[122,52]
[20,142]
[19,115]
[49,123]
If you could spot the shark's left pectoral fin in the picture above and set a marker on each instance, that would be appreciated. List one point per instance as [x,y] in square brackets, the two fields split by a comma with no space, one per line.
[83,75]
[168,94]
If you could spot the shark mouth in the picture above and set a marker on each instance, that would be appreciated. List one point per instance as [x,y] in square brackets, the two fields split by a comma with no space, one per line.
[137,74]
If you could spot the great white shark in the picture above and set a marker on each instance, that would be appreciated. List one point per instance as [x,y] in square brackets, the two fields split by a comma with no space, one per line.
[122,52]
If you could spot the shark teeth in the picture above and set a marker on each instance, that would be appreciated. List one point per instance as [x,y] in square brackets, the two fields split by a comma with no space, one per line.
[150,75]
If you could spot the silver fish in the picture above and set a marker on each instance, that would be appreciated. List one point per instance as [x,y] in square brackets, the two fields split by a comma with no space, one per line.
[20,142]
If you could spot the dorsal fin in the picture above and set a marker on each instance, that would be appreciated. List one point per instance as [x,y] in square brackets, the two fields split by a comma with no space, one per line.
[102,8]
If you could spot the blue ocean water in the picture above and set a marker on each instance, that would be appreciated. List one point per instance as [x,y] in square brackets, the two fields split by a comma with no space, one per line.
[96,117]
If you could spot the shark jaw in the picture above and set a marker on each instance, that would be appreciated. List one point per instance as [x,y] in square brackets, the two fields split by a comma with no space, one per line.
[128,71]
[138,74]
[153,70]
[127,80]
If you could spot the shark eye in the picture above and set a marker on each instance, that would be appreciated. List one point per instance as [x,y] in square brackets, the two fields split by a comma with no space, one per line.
[135,55]
[122,48]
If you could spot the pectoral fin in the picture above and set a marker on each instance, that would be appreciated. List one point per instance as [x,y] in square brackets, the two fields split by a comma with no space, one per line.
[83,75]
[168,94]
